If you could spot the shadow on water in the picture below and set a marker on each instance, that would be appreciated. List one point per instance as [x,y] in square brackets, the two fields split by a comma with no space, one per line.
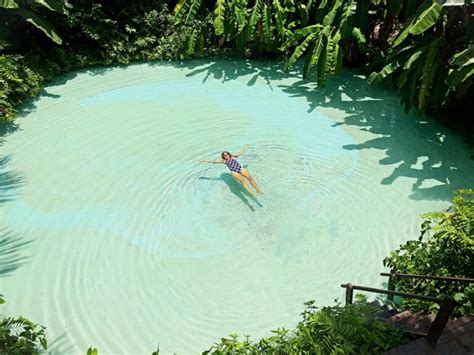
[418,148]
[60,345]
[9,181]
[11,247]
[236,188]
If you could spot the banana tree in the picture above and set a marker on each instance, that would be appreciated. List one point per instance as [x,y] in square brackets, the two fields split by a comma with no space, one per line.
[30,11]
[423,64]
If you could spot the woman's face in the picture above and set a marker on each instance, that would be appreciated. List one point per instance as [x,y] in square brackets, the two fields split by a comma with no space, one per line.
[226,156]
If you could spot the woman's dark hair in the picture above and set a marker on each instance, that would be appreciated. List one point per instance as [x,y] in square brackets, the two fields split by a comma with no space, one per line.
[225,152]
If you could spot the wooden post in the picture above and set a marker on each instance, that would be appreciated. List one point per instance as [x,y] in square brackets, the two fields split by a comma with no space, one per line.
[391,285]
[440,321]
[349,294]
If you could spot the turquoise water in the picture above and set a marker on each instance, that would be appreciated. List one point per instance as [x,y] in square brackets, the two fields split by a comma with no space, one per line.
[131,242]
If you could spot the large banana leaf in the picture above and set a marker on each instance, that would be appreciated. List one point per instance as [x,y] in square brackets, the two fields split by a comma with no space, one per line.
[466,57]
[219,12]
[461,75]
[360,38]
[313,56]
[322,62]
[267,27]
[423,20]
[300,34]
[299,50]
[52,5]
[346,20]
[8,4]
[180,9]
[193,9]
[279,17]
[41,24]
[329,18]
[252,24]
[429,70]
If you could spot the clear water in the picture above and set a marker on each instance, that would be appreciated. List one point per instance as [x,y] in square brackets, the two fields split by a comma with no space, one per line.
[131,243]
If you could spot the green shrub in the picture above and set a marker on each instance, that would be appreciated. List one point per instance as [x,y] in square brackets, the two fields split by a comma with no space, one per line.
[445,248]
[21,336]
[353,329]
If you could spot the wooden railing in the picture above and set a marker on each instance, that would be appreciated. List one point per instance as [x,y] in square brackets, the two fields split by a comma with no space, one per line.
[447,304]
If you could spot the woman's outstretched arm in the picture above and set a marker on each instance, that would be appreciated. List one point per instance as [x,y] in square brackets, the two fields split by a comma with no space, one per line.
[212,161]
[240,152]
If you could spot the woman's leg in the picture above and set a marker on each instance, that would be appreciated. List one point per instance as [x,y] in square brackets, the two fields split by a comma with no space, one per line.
[240,179]
[246,174]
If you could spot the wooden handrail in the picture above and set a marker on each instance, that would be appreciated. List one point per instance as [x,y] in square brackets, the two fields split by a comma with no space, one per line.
[427,277]
[393,293]
[436,329]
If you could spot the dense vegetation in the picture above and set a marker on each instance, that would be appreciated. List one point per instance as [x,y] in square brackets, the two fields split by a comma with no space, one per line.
[21,336]
[422,48]
[444,248]
[353,329]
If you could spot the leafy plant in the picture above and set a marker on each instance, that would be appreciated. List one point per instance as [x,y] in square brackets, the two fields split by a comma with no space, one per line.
[353,329]
[21,336]
[33,12]
[432,57]
[445,248]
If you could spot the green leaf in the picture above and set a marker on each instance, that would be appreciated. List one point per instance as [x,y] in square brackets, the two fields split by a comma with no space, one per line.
[251,27]
[466,57]
[92,351]
[322,71]
[428,71]
[424,20]
[220,17]
[191,42]
[387,70]
[346,20]
[459,76]
[8,4]
[360,38]
[180,9]
[193,9]
[314,55]
[279,13]
[329,18]
[267,27]
[41,24]
[299,50]
[51,5]
[413,58]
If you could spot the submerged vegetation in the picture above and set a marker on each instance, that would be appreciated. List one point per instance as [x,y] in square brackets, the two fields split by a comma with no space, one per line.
[422,48]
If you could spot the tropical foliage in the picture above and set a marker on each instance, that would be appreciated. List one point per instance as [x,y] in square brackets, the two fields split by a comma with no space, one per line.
[21,336]
[400,39]
[34,12]
[353,329]
[431,57]
[445,248]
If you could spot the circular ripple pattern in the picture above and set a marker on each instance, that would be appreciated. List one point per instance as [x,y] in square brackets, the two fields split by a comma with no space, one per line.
[135,243]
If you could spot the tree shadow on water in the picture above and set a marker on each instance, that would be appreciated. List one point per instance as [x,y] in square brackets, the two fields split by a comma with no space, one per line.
[430,155]
[11,247]
[236,188]
[9,181]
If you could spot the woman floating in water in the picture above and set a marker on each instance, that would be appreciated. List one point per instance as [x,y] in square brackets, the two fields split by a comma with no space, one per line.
[236,169]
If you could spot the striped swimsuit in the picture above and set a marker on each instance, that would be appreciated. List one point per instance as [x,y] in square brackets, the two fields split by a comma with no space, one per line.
[233,165]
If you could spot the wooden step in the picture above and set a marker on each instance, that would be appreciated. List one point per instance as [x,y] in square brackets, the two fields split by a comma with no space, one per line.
[418,323]
[457,339]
